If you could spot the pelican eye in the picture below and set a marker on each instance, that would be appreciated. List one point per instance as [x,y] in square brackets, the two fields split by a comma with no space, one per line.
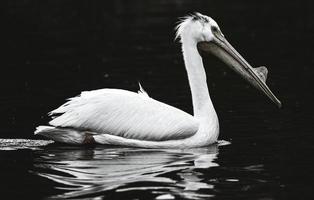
[214,29]
[217,32]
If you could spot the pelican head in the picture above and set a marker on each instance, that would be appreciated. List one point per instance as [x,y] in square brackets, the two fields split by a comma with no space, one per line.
[204,32]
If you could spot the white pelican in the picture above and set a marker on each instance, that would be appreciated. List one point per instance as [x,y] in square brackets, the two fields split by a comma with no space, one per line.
[125,118]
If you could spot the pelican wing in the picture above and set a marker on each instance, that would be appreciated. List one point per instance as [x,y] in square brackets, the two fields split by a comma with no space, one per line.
[125,114]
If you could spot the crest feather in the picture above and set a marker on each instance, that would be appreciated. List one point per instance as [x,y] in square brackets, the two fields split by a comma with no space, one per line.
[183,21]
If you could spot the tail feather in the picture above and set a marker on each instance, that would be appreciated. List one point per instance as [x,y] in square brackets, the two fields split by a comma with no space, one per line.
[64,135]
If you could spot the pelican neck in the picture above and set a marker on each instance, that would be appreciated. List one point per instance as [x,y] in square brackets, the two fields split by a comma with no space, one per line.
[202,104]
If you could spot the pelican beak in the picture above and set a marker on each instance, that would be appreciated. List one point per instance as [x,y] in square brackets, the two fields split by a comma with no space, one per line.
[221,48]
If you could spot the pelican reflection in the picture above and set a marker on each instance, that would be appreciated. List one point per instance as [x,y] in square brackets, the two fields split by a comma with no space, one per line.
[91,172]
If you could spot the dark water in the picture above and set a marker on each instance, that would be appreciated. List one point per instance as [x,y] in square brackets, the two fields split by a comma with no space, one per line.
[55,49]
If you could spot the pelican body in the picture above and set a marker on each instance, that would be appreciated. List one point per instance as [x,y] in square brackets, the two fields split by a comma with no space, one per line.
[125,118]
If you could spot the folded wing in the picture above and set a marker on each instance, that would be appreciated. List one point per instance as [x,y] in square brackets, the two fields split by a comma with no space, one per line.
[126,114]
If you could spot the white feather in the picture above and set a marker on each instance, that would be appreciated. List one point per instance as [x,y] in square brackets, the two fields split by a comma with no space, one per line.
[125,114]
[142,91]
[64,135]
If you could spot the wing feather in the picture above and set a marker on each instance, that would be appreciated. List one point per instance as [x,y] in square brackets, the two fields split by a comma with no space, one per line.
[126,114]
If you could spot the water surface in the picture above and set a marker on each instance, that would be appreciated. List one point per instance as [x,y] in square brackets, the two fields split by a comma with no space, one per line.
[129,173]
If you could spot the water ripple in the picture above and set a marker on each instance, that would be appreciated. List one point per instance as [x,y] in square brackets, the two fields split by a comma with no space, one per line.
[91,172]
[16,144]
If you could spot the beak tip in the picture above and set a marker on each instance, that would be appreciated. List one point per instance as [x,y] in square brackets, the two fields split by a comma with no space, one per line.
[279,104]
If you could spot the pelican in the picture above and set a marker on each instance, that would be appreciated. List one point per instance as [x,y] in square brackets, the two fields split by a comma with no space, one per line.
[124,118]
